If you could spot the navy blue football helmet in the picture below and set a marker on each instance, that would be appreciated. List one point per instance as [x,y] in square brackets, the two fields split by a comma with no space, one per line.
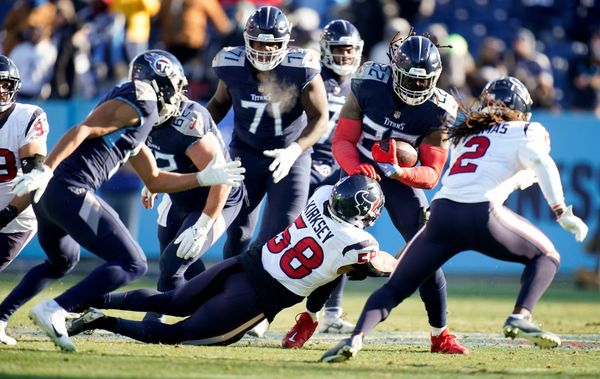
[508,90]
[416,66]
[10,82]
[357,200]
[267,25]
[340,33]
[164,72]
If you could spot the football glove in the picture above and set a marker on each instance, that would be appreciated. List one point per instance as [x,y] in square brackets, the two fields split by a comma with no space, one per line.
[147,198]
[230,173]
[366,170]
[283,160]
[569,222]
[192,239]
[36,180]
[386,160]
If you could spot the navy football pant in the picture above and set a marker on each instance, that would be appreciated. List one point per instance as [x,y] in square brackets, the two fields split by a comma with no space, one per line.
[220,306]
[454,227]
[67,219]
[285,200]
[406,207]
[323,174]
[11,245]
[174,270]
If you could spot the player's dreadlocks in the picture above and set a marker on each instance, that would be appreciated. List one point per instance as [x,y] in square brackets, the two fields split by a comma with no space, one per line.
[485,115]
[399,38]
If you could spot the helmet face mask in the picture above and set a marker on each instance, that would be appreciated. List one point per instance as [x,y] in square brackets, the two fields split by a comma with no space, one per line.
[416,67]
[509,92]
[341,33]
[357,200]
[10,83]
[165,74]
[266,28]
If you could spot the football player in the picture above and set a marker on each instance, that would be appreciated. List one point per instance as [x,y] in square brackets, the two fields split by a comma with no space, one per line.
[189,222]
[306,258]
[280,111]
[23,132]
[495,150]
[71,215]
[341,51]
[401,100]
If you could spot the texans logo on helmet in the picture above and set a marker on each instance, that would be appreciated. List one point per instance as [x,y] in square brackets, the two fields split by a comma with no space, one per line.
[161,65]
[364,204]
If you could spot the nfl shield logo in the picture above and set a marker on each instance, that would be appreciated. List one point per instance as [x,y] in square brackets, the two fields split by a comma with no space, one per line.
[397,114]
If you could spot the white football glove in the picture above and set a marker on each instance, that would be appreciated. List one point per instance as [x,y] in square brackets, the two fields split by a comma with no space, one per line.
[36,180]
[147,198]
[569,222]
[284,159]
[192,239]
[230,173]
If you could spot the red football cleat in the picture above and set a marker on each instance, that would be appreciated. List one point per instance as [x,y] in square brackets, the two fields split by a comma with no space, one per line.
[447,343]
[301,332]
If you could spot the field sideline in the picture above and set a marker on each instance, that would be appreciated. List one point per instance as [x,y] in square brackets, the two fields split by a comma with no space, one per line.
[398,348]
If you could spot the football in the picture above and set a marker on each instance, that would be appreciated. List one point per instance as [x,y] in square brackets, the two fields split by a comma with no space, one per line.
[406,154]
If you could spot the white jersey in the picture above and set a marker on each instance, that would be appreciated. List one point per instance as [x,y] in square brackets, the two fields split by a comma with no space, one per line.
[309,252]
[24,124]
[486,167]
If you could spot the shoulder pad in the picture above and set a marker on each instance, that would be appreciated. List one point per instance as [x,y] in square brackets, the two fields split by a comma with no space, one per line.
[230,56]
[194,120]
[373,71]
[445,101]
[536,132]
[144,91]
[302,58]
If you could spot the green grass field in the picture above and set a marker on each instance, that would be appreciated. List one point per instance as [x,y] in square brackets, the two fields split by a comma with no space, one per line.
[399,347]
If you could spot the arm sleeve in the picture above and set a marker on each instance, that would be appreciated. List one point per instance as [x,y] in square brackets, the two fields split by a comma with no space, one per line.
[535,157]
[317,299]
[345,138]
[427,175]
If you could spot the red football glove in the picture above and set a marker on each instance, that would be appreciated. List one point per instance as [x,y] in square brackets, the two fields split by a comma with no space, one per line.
[366,170]
[380,155]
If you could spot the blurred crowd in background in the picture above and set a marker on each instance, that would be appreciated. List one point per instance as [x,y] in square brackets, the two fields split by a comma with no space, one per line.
[80,48]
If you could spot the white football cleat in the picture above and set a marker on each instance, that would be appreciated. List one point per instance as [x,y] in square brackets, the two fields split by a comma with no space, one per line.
[260,329]
[335,324]
[4,338]
[50,317]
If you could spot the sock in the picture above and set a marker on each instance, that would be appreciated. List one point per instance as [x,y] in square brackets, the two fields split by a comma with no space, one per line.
[435,332]
[517,316]
[313,315]
[333,312]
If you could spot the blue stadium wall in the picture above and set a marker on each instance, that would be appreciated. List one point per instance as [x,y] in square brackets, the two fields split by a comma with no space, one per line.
[575,138]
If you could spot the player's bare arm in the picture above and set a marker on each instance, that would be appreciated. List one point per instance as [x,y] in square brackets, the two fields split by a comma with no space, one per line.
[220,103]
[201,154]
[106,118]
[157,180]
[314,102]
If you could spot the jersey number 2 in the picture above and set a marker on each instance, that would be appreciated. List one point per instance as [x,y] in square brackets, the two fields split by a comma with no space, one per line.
[481,145]
[299,260]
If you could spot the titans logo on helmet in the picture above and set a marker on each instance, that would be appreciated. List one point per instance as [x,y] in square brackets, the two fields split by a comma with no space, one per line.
[161,65]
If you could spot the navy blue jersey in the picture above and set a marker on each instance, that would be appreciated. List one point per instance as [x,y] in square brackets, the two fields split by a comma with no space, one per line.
[337,88]
[267,114]
[97,159]
[170,142]
[386,116]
